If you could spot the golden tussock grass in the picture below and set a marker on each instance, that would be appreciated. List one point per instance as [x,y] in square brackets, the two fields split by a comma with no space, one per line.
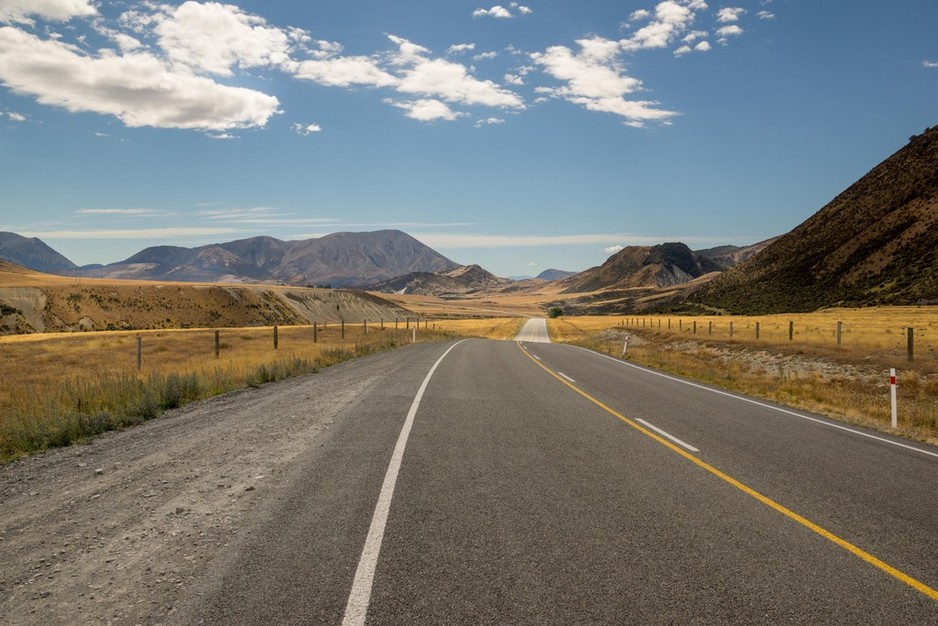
[63,388]
[847,382]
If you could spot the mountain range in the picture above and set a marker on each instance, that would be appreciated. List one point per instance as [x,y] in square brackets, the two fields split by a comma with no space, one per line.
[875,243]
[337,260]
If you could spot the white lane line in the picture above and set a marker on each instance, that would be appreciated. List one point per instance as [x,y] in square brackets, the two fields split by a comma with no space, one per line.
[565,376]
[668,435]
[765,406]
[535,356]
[357,607]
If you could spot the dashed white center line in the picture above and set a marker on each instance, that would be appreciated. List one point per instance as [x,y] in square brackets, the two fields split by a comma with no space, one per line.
[535,356]
[565,376]
[667,435]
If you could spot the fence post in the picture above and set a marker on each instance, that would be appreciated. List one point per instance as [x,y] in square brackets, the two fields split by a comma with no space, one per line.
[695,327]
[731,328]
[343,329]
[791,330]
[217,345]
[710,328]
[757,330]
[911,342]
[680,326]
[406,323]
[276,338]
[365,327]
[669,323]
[892,397]
[839,332]
[315,333]
[382,323]
[139,352]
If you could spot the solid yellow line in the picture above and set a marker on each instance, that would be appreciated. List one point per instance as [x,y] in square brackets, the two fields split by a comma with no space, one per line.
[846,545]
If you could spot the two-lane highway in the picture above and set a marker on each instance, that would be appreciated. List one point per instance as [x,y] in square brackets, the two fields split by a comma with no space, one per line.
[527,491]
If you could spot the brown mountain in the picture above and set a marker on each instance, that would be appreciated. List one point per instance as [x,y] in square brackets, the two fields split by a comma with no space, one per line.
[339,260]
[643,266]
[33,254]
[875,243]
[460,280]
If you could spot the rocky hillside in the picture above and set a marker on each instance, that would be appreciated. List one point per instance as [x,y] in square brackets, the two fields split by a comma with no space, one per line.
[337,260]
[33,253]
[875,243]
[31,302]
[461,280]
[554,274]
[643,266]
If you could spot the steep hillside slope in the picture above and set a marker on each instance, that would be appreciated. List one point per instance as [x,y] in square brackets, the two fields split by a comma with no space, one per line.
[642,266]
[875,243]
[32,253]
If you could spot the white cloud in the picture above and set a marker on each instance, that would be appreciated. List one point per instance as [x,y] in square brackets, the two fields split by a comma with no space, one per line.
[19,11]
[596,80]
[671,19]
[427,110]
[489,121]
[703,46]
[213,38]
[523,10]
[729,14]
[15,117]
[613,249]
[452,241]
[496,11]
[123,233]
[439,78]
[306,129]
[640,14]
[125,212]
[729,31]
[765,15]
[929,63]
[685,49]
[694,35]
[460,48]
[514,80]
[344,72]
[485,56]
[137,88]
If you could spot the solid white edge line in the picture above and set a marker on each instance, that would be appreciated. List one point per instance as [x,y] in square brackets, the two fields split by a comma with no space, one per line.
[357,607]
[762,404]
[565,376]
[668,435]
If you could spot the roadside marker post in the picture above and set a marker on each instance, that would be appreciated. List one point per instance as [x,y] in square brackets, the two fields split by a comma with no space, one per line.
[892,397]
[625,346]
[414,330]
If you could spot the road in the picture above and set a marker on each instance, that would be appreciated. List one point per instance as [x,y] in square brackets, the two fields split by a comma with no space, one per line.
[475,481]
[528,491]
[534,331]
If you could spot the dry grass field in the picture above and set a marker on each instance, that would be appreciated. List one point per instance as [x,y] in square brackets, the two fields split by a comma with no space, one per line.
[60,388]
[847,382]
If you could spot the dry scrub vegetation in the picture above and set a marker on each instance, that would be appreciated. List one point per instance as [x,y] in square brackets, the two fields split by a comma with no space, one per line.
[847,382]
[62,388]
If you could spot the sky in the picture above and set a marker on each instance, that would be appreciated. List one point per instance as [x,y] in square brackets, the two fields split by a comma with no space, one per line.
[519,136]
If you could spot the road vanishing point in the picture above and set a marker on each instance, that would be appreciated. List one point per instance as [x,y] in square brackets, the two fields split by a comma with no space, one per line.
[525,482]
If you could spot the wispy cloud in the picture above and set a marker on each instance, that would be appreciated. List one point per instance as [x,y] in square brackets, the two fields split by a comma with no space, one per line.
[125,212]
[126,233]
[929,63]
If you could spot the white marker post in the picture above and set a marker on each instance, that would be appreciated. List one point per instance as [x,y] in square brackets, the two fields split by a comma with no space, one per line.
[892,397]
[625,346]
[415,335]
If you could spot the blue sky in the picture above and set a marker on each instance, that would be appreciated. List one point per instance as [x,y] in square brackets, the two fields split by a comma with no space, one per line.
[520,136]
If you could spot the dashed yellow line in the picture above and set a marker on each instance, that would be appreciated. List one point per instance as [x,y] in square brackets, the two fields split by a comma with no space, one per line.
[843,543]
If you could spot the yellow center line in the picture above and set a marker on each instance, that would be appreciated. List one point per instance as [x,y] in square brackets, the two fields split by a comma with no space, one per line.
[846,545]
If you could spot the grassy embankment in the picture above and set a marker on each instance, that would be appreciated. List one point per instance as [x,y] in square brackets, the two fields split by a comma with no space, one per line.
[61,388]
[847,382]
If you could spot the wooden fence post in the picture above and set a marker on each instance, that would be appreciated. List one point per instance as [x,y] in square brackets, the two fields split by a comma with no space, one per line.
[839,332]
[140,352]
[217,344]
[276,338]
[791,330]
[343,329]
[315,333]
[910,343]
[365,327]
[757,330]
[731,328]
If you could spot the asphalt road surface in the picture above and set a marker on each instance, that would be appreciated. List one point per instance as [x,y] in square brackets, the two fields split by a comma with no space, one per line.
[535,483]
[534,331]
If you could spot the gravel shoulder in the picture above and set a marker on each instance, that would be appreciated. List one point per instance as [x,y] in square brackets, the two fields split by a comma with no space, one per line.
[114,531]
